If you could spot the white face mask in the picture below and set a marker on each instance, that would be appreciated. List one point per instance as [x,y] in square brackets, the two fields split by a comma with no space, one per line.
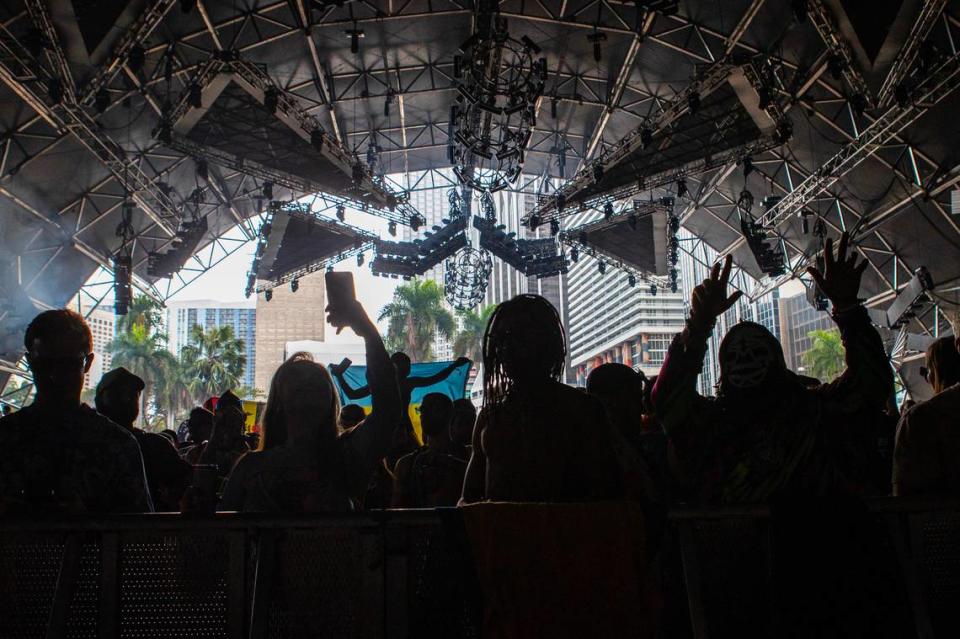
[747,359]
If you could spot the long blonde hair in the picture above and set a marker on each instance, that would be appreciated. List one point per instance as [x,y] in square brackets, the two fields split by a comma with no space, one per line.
[300,366]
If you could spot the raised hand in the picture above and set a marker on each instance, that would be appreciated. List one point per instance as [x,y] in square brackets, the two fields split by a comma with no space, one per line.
[710,300]
[350,315]
[840,279]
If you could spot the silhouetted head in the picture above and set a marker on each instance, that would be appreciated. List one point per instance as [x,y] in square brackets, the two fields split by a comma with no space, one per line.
[301,392]
[59,352]
[118,396]
[750,358]
[199,425]
[620,389]
[436,412]
[524,343]
[464,417]
[401,363]
[943,364]
[351,415]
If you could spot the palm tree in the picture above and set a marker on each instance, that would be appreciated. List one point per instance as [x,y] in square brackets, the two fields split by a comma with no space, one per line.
[173,394]
[144,311]
[469,340]
[213,360]
[414,316]
[825,359]
[139,350]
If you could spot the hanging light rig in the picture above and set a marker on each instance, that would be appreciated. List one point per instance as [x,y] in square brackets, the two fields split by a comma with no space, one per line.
[491,121]
[122,260]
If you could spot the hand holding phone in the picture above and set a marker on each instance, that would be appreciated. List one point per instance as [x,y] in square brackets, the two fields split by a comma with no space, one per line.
[343,309]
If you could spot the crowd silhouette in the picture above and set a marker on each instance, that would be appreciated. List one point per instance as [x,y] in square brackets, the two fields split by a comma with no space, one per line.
[767,436]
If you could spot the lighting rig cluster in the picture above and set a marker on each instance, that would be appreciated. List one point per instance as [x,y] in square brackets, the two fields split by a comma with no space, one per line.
[189,235]
[492,118]
[911,299]
[367,193]
[363,242]
[465,277]
[578,240]
[123,261]
[769,252]
[539,257]
[408,259]
[655,131]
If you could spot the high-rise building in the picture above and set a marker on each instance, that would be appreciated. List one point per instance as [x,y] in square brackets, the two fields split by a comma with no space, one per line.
[241,316]
[434,205]
[101,321]
[287,317]
[797,319]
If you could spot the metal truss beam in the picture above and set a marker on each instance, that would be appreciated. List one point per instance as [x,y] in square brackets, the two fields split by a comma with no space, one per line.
[930,10]
[18,70]
[824,23]
[137,34]
[931,90]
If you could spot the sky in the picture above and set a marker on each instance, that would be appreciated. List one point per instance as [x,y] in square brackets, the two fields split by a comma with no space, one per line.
[226,281]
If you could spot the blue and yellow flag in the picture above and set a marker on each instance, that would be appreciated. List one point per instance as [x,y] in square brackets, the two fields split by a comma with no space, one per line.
[453,386]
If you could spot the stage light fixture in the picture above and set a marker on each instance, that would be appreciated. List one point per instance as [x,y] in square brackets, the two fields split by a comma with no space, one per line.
[653,289]
[55,90]
[693,102]
[535,222]
[764,97]
[597,172]
[602,267]
[392,229]
[646,137]
[354,35]
[203,171]
[360,259]
[554,227]
[271,99]
[596,38]
[631,280]
[342,212]
[101,100]
[294,285]
[574,255]
[747,166]
[268,295]
[136,58]
[836,66]
[316,139]
[195,96]
[608,211]
[681,187]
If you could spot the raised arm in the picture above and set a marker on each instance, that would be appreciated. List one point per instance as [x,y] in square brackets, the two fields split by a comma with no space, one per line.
[369,441]
[439,376]
[868,377]
[351,393]
[684,413]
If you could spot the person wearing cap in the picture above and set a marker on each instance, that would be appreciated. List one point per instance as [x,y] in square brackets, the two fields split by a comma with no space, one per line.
[118,397]
[59,455]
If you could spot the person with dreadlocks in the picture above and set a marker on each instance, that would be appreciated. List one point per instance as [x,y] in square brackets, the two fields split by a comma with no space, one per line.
[536,439]
[767,433]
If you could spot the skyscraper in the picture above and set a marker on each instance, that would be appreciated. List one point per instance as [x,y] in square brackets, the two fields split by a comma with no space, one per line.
[797,319]
[241,316]
[287,317]
[101,321]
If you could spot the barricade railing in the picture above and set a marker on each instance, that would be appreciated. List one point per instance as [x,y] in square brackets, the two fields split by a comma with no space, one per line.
[403,573]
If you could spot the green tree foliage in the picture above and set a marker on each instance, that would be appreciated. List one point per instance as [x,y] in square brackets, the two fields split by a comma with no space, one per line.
[414,315]
[469,339]
[141,351]
[213,360]
[825,359]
